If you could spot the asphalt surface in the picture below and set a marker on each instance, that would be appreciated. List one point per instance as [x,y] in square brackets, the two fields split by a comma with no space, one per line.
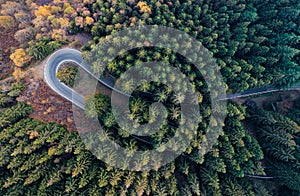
[52,66]
[72,55]
[257,91]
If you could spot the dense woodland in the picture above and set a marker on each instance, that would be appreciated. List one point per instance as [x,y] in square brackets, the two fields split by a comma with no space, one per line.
[279,138]
[45,158]
[255,43]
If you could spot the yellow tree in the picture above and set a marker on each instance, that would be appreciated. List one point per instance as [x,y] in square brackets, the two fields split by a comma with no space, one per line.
[64,23]
[57,1]
[88,1]
[55,9]
[54,22]
[7,22]
[86,12]
[144,8]
[43,11]
[69,10]
[58,34]
[18,74]
[79,21]
[89,21]
[19,57]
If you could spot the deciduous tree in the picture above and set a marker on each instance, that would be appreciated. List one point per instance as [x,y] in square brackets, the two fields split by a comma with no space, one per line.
[20,57]
[7,22]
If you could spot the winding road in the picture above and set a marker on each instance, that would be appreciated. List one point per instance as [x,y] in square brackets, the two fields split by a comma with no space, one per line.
[52,66]
[71,55]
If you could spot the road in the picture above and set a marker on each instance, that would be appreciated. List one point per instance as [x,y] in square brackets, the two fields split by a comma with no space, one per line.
[257,91]
[52,66]
[71,55]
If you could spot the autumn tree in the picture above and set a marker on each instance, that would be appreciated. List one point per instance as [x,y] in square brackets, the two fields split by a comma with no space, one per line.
[20,57]
[7,22]
[79,21]
[44,11]
[69,10]
[19,74]
[59,34]
[144,8]
[89,21]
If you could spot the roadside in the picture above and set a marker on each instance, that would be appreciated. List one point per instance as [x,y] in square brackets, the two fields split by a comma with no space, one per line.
[7,42]
[47,105]
[281,101]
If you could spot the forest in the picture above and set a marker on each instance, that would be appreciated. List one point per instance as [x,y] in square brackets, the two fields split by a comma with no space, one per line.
[45,158]
[254,43]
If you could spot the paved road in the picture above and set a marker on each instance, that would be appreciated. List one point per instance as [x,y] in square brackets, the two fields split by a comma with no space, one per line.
[257,91]
[51,68]
[72,55]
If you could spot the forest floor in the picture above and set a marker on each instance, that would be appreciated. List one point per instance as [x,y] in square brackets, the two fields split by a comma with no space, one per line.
[47,105]
[7,42]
